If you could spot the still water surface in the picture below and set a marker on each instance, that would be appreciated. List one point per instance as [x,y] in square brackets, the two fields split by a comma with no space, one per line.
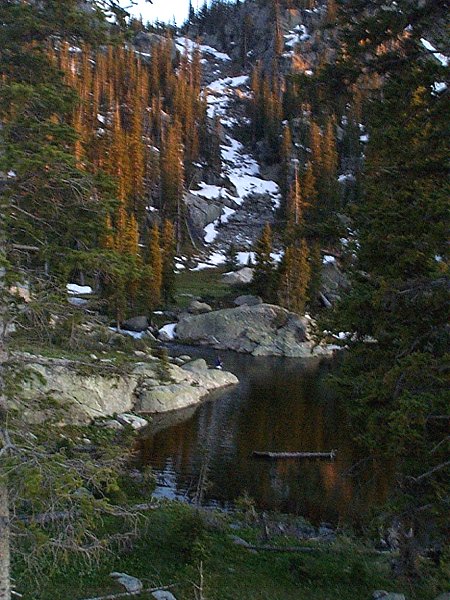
[280,405]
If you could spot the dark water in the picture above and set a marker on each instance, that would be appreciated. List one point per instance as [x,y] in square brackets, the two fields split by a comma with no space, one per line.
[279,405]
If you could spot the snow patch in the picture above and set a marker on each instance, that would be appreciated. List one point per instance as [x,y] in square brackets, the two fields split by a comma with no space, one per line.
[437,55]
[210,232]
[73,288]
[169,330]
[327,259]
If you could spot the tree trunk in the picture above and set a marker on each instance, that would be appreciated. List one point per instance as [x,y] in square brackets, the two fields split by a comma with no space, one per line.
[5,575]
[5,587]
[5,584]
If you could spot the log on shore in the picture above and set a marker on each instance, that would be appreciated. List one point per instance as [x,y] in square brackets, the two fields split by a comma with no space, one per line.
[280,455]
[267,548]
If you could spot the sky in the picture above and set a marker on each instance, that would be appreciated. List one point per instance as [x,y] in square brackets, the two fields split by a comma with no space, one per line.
[163,10]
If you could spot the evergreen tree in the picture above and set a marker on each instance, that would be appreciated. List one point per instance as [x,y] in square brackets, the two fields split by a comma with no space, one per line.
[154,279]
[172,176]
[286,158]
[295,275]
[168,264]
[396,387]
[232,263]
[264,270]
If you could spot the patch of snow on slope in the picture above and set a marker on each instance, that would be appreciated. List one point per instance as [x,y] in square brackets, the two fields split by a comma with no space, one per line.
[211,192]
[169,330]
[184,43]
[210,232]
[440,57]
[73,288]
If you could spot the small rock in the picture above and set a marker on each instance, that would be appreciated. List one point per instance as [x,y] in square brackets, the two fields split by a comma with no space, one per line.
[198,308]
[133,420]
[136,324]
[178,361]
[163,595]
[131,584]
[140,353]
[185,358]
[247,300]
[93,356]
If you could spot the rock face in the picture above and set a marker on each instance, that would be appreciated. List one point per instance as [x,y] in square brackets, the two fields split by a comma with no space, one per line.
[85,392]
[145,42]
[261,330]
[240,277]
[201,212]
[333,282]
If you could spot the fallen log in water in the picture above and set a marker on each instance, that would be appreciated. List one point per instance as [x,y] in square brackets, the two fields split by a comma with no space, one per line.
[279,455]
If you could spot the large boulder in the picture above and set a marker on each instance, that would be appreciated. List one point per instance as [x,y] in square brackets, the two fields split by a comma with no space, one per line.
[136,324]
[261,330]
[241,277]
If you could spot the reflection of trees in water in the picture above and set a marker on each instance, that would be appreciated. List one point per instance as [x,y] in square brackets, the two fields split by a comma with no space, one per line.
[277,407]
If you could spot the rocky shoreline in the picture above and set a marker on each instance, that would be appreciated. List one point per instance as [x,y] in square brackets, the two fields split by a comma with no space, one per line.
[84,391]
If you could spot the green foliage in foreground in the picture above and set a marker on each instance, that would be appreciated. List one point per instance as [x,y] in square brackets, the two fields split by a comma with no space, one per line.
[174,539]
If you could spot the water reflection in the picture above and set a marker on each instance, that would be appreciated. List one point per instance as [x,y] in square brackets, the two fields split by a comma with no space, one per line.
[279,405]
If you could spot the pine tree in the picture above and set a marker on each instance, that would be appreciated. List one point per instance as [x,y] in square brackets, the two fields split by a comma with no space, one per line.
[264,272]
[295,275]
[232,263]
[155,262]
[286,158]
[172,176]
[278,31]
[331,12]
[168,267]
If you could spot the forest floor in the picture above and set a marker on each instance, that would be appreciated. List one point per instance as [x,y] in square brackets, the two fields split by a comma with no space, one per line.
[176,541]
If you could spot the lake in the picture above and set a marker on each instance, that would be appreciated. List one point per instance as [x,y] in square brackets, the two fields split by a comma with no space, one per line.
[280,404]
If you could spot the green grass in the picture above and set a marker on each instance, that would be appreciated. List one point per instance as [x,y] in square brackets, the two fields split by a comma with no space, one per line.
[173,541]
[206,284]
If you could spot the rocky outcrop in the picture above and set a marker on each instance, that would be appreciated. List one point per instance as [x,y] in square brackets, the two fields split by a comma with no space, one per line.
[86,391]
[201,212]
[333,283]
[184,386]
[261,330]
[145,42]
